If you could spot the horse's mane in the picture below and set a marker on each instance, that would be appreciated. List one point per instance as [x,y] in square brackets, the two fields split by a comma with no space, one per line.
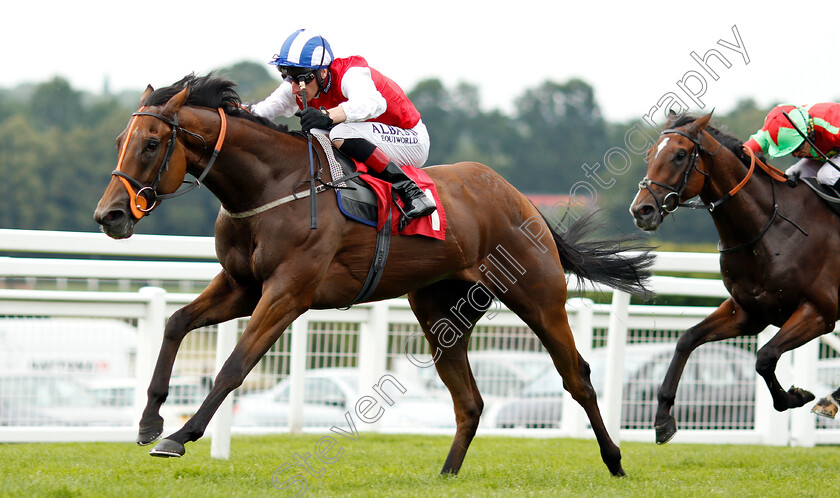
[209,91]
[732,143]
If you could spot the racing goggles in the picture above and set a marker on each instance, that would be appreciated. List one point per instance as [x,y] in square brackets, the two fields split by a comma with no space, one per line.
[295,74]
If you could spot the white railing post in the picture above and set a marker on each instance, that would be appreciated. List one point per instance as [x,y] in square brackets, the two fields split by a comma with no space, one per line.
[220,443]
[573,418]
[614,376]
[831,340]
[196,262]
[772,427]
[373,344]
[149,340]
[803,427]
[297,372]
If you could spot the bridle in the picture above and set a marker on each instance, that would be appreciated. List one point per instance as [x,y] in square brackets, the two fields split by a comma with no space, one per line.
[144,198]
[663,208]
[774,174]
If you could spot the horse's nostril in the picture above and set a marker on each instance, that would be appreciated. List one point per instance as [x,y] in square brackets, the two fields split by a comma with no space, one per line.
[112,217]
[645,212]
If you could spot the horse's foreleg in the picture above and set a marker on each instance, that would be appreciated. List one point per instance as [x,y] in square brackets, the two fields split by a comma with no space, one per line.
[270,319]
[219,302]
[432,306]
[804,324]
[726,322]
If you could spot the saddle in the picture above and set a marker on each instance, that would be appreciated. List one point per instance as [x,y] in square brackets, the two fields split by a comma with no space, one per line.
[827,193]
[357,201]
[368,199]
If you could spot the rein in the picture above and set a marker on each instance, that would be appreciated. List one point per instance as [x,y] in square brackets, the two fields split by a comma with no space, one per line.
[771,171]
[146,194]
[335,169]
[724,250]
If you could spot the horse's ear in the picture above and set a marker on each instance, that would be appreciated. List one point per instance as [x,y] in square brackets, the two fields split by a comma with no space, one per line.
[699,124]
[672,117]
[703,121]
[148,91]
[177,101]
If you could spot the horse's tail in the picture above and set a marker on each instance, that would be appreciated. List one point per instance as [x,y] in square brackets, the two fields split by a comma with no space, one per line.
[621,263]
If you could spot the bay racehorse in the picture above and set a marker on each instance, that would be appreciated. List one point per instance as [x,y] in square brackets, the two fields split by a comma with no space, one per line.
[275,267]
[779,246]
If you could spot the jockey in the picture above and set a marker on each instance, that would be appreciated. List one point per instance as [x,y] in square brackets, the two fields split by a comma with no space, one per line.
[369,116]
[819,122]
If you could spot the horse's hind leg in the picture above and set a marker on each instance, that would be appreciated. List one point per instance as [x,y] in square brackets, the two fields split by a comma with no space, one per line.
[539,297]
[552,327]
[804,324]
[449,337]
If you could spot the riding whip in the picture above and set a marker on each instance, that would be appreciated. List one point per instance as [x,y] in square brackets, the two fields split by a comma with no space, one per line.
[810,142]
[313,203]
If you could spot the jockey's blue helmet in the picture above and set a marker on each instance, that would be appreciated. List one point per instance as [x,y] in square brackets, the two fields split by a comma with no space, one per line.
[304,50]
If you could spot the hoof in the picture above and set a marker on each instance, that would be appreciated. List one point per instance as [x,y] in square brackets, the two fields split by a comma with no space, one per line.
[665,432]
[616,469]
[799,397]
[825,407]
[168,448]
[149,433]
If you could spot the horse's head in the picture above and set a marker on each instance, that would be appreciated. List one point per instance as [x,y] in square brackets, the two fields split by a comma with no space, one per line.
[674,174]
[151,163]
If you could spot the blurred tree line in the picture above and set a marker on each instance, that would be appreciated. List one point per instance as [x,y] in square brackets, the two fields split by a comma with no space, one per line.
[57,150]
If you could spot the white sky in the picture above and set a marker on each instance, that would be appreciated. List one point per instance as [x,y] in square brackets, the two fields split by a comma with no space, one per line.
[632,53]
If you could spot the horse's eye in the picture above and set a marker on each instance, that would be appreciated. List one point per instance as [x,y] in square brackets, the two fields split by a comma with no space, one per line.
[152,145]
[681,155]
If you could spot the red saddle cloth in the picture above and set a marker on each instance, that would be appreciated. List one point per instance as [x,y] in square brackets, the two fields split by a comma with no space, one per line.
[433,225]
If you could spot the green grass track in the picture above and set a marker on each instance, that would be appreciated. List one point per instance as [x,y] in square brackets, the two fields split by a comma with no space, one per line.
[399,465]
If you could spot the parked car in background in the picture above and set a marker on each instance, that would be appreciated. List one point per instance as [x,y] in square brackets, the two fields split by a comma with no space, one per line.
[716,391]
[828,375]
[498,374]
[330,393]
[186,393]
[40,399]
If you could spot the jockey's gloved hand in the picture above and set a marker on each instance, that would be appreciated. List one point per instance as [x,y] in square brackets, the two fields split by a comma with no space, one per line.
[792,178]
[314,118]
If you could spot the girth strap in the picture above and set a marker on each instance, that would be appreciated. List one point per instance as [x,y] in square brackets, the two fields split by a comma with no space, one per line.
[377,265]
[383,237]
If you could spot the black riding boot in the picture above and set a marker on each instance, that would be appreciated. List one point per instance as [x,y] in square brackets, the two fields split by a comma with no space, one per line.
[417,204]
